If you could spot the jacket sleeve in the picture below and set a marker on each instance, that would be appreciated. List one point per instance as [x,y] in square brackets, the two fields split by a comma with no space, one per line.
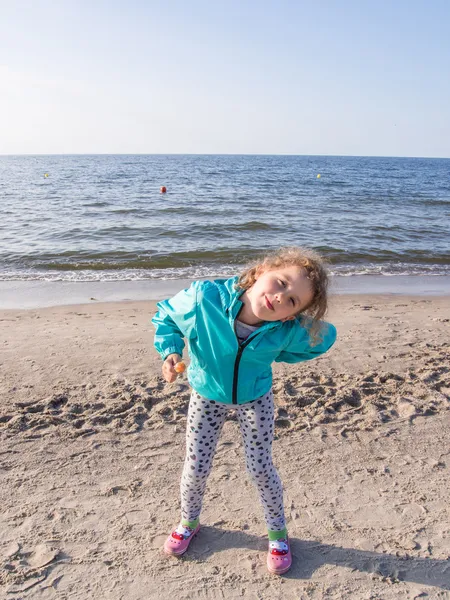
[300,349]
[175,320]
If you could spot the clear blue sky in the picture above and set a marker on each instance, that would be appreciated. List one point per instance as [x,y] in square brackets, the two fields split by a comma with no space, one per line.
[207,76]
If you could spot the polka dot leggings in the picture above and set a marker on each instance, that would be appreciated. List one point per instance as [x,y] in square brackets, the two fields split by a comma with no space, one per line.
[256,421]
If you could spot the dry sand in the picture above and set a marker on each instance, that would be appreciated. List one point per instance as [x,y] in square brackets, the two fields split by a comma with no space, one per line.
[92,442]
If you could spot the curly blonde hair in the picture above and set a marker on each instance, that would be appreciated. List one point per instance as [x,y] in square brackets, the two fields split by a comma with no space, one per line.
[314,265]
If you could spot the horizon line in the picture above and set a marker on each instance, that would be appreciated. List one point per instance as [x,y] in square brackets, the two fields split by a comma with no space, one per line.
[218,154]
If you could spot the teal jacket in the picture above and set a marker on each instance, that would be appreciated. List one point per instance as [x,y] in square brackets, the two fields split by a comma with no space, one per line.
[220,369]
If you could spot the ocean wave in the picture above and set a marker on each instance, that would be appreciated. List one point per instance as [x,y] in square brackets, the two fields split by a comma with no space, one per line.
[202,271]
[153,259]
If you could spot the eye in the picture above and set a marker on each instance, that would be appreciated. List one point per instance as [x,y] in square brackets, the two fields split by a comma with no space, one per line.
[293,301]
[283,283]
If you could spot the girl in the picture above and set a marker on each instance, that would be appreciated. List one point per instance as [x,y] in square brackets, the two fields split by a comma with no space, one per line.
[235,329]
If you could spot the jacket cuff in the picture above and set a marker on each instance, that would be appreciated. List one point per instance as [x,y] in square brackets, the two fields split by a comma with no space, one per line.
[171,350]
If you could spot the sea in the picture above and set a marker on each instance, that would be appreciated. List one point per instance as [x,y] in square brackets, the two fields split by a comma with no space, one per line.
[103,218]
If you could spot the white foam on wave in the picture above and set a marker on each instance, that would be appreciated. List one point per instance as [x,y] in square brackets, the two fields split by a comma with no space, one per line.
[209,271]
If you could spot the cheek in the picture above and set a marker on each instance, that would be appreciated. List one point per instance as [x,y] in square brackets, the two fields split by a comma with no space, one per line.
[261,287]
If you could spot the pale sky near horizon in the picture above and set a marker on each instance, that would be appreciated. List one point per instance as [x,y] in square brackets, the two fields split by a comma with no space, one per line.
[269,77]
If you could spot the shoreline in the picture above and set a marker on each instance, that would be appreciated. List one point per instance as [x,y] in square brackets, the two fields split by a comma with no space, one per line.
[44,294]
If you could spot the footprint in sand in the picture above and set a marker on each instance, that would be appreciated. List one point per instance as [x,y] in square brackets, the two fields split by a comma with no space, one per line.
[43,555]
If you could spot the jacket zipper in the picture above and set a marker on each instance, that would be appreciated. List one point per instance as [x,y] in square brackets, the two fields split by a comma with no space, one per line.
[238,358]
[236,370]
[236,364]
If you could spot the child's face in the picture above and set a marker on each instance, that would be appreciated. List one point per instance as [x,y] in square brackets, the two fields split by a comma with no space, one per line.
[279,294]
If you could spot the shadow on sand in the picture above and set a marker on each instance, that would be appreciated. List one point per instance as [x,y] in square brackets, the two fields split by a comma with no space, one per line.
[309,556]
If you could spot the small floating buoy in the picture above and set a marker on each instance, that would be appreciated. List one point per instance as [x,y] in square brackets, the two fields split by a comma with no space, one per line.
[45,174]
[163,189]
[318,176]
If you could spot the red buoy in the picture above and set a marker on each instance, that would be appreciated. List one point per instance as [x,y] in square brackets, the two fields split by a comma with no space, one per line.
[163,189]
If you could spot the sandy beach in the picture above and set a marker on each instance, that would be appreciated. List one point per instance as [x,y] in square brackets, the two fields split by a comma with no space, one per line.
[92,444]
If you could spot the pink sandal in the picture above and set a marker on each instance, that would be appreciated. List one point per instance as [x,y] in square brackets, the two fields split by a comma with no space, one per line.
[279,557]
[178,541]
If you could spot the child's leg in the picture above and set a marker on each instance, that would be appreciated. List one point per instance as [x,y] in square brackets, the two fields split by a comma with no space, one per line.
[256,420]
[204,425]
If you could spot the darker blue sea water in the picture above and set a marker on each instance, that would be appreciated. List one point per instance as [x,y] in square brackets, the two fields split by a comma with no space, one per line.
[102,217]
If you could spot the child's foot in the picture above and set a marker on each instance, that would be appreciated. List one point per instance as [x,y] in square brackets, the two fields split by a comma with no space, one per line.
[279,557]
[178,541]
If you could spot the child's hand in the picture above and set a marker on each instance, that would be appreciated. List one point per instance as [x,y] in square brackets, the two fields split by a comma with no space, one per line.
[168,368]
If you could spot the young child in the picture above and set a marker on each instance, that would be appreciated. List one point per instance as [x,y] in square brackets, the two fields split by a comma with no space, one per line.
[236,328]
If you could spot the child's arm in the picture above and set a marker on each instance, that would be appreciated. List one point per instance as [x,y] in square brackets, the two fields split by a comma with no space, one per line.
[174,321]
[300,347]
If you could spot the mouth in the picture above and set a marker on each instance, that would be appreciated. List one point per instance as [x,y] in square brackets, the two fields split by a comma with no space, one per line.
[268,304]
